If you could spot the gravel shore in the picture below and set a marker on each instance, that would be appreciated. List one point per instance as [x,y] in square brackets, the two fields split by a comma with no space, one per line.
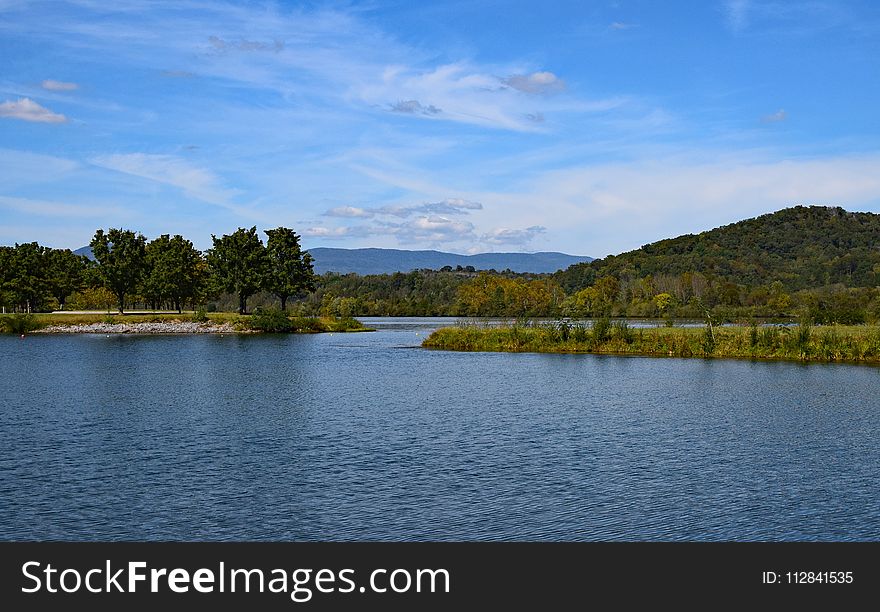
[163,327]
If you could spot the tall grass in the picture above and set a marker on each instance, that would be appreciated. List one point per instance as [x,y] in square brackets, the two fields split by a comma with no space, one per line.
[18,323]
[803,342]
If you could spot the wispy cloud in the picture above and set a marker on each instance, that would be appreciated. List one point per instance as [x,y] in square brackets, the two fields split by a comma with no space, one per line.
[536,82]
[452,206]
[195,182]
[220,45]
[53,85]
[620,25]
[415,107]
[737,14]
[28,110]
[49,208]
[776,117]
[431,229]
[513,237]
[178,74]
[464,93]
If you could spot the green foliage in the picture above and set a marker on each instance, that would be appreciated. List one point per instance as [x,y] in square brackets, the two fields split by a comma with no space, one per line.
[601,330]
[66,273]
[800,247]
[19,323]
[833,343]
[25,276]
[200,316]
[621,330]
[308,325]
[176,271]
[289,269]
[122,262]
[271,320]
[239,264]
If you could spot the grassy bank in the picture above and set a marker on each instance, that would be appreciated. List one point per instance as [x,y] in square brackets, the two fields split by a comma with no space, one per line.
[795,343]
[273,321]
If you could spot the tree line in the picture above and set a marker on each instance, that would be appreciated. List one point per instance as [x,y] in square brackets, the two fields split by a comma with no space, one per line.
[816,263]
[167,271]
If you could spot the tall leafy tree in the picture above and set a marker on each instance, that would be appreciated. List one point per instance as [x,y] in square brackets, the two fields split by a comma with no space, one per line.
[238,264]
[6,265]
[122,261]
[66,273]
[27,282]
[290,270]
[175,273]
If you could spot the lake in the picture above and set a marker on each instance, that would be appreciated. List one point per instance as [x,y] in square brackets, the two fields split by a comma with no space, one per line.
[368,437]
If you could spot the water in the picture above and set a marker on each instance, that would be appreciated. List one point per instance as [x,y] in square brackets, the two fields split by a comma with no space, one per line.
[367,437]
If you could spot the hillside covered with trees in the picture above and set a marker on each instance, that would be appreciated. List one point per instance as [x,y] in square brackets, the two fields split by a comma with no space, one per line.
[801,247]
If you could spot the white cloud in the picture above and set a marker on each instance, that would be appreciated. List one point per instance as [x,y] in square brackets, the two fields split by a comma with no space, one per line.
[433,229]
[413,107]
[776,117]
[198,183]
[615,207]
[620,25]
[28,110]
[218,44]
[53,85]
[450,206]
[517,237]
[536,82]
[464,93]
[349,212]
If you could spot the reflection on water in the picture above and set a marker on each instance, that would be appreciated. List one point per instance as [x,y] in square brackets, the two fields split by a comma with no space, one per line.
[364,437]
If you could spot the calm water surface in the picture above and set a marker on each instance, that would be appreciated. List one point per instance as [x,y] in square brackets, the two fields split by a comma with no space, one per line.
[367,437]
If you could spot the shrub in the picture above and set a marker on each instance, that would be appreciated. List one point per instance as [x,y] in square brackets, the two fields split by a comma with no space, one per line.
[18,323]
[307,324]
[621,331]
[200,316]
[271,320]
[601,330]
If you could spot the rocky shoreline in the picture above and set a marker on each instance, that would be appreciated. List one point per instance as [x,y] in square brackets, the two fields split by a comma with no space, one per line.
[160,327]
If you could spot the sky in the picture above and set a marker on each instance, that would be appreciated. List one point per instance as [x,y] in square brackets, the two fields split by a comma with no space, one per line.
[587,127]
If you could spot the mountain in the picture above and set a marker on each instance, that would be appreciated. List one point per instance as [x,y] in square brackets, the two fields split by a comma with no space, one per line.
[802,247]
[86,251]
[387,261]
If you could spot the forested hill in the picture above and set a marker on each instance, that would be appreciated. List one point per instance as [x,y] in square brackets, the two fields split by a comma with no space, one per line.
[801,247]
[389,261]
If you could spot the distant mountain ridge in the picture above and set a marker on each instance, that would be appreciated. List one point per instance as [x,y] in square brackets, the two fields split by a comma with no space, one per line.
[85,251]
[388,261]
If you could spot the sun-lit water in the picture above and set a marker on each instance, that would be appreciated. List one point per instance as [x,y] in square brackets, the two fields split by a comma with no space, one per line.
[367,437]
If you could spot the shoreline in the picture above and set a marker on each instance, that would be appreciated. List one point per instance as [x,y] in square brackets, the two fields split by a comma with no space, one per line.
[801,344]
[173,324]
[164,327]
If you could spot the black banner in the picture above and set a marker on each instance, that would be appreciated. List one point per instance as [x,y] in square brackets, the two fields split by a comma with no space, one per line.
[326,576]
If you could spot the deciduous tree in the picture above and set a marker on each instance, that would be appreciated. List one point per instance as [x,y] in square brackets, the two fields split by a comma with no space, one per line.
[122,262]
[238,264]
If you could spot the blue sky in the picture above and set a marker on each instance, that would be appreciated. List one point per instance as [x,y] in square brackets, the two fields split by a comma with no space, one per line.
[588,127]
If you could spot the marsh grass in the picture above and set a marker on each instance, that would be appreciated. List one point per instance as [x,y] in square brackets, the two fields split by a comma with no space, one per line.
[803,342]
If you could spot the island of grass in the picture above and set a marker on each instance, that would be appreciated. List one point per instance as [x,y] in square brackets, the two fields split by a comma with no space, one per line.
[802,342]
[261,321]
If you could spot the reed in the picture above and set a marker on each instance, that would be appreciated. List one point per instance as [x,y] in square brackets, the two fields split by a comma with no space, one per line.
[803,342]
